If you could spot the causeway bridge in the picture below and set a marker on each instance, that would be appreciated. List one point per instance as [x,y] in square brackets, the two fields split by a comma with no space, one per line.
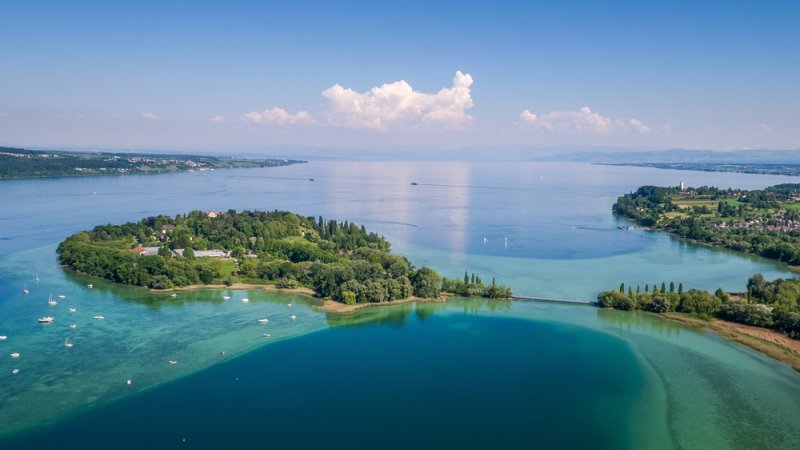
[542,298]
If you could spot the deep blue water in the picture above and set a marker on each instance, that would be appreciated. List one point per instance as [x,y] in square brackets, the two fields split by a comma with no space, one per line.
[442,382]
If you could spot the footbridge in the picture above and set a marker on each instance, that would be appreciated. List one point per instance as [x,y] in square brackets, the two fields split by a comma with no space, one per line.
[544,298]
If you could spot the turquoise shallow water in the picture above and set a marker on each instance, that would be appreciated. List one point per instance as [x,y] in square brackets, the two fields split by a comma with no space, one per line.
[469,374]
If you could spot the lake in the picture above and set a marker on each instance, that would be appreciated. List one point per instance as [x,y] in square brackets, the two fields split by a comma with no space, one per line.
[468,374]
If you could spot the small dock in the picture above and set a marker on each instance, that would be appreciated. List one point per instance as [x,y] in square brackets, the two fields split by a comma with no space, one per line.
[542,298]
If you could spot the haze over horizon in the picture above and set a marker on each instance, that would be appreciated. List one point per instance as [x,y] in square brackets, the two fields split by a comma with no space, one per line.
[523,75]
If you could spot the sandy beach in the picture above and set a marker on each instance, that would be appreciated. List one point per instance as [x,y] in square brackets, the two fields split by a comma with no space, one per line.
[770,342]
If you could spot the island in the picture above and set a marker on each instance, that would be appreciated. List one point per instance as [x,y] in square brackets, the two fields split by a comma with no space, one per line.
[763,222]
[338,261]
[23,163]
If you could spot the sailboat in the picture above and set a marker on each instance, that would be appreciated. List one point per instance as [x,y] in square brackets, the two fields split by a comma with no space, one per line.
[37,277]
[51,302]
[67,343]
[25,289]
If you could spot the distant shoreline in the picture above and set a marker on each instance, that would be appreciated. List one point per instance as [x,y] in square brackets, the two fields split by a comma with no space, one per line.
[784,169]
[21,164]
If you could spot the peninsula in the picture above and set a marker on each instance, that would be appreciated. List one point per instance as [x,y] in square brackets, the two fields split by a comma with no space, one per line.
[22,163]
[340,261]
[763,222]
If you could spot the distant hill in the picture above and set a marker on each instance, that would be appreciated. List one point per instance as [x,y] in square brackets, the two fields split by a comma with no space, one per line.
[23,163]
[679,156]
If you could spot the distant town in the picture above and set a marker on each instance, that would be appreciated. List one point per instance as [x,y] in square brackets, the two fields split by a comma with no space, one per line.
[23,163]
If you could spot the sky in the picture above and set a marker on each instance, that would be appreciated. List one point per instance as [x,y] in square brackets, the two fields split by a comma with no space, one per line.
[251,76]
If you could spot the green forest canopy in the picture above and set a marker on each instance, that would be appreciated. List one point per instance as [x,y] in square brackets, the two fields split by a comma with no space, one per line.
[767,304]
[339,260]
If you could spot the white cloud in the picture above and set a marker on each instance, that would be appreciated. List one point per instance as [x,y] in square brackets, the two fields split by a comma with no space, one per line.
[278,116]
[397,105]
[582,121]
[217,119]
[150,116]
[764,128]
[5,114]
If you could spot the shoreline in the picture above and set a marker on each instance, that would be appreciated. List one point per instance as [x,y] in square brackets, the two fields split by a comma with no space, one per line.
[772,343]
[791,268]
[240,287]
[332,306]
[328,305]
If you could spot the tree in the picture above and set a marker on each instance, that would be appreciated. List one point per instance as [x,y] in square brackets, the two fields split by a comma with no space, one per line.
[426,283]
[349,297]
[680,288]
[622,288]
[671,287]
[188,253]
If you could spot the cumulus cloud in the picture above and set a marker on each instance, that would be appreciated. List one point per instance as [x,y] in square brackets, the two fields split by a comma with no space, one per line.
[582,121]
[150,116]
[278,116]
[398,105]
[764,128]
[217,119]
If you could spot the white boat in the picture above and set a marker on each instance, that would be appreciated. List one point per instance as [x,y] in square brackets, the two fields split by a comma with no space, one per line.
[263,321]
[62,296]
[293,317]
[72,309]
[173,295]
[25,289]
[52,302]
[68,344]
[73,326]
[98,317]
[46,319]
[289,305]
[3,338]
[37,277]
[226,297]
[15,355]
[15,371]
[89,285]
[129,382]
[245,300]
[265,334]
[173,361]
